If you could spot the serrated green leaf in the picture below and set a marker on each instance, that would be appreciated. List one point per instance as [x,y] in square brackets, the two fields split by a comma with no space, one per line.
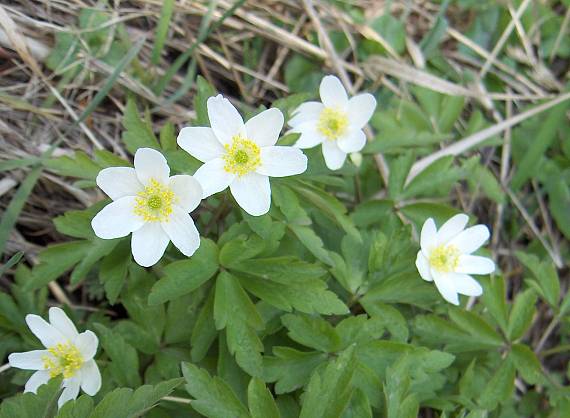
[312,332]
[500,387]
[527,364]
[113,272]
[522,312]
[261,403]
[138,132]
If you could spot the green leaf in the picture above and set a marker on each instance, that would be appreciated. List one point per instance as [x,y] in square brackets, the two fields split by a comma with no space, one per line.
[329,391]
[359,406]
[527,364]
[213,397]
[476,326]
[312,332]
[545,275]
[138,133]
[185,276]
[13,261]
[405,287]
[204,332]
[500,387]
[288,202]
[113,272]
[97,249]
[261,403]
[30,405]
[75,223]
[521,315]
[124,366]
[204,91]
[399,169]
[80,166]
[290,368]
[79,408]
[241,248]
[234,311]
[312,242]
[162,30]
[494,298]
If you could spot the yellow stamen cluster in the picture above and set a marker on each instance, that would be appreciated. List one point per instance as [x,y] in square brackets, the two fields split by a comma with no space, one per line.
[332,123]
[444,258]
[66,360]
[154,203]
[242,157]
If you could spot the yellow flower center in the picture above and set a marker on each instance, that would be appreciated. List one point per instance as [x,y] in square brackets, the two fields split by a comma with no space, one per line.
[444,258]
[242,157]
[332,123]
[154,203]
[66,360]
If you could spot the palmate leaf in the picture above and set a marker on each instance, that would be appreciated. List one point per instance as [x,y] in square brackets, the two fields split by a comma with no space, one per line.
[29,405]
[234,312]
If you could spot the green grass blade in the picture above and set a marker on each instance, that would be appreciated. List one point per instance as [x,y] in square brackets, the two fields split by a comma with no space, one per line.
[17,163]
[15,259]
[162,30]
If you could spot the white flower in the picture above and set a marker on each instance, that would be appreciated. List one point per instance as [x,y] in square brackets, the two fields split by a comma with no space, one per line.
[445,257]
[152,205]
[336,123]
[67,353]
[241,155]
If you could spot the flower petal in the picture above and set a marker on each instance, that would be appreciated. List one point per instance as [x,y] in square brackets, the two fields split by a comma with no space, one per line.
[148,244]
[423,267]
[253,193]
[182,232]
[473,264]
[90,378]
[282,161]
[352,142]
[360,109]
[119,182]
[451,228]
[70,391]
[466,285]
[187,190]
[200,142]
[446,286]
[428,236]
[29,360]
[264,128]
[471,239]
[59,319]
[307,112]
[310,135]
[334,156]
[46,333]
[224,119]
[332,92]
[36,380]
[151,164]
[117,219]
[213,178]
[87,343]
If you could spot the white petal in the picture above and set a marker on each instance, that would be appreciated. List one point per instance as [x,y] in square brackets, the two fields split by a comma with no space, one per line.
[333,93]
[352,142]
[119,182]
[253,193]
[148,244]
[151,164]
[310,136]
[471,239]
[473,264]
[187,190]
[334,156]
[360,109]
[36,380]
[224,119]
[46,333]
[59,319]
[90,378]
[117,219]
[200,143]
[182,232]
[282,161]
[466,285]
[423,267]
[428,236]
[87,343]
[264,128]
[213,178]
[29,360]
[70,391]
[446,286]
[451,228]
[307,112]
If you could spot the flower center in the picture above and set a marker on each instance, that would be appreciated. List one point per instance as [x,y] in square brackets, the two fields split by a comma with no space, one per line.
[242,157]
[65,359]
[154,203]
[332,123]
[444,258]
